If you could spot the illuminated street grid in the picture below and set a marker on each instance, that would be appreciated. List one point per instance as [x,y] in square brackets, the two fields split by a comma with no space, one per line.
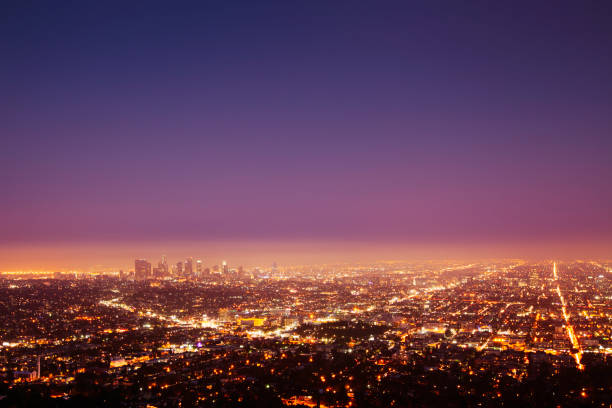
[340,332]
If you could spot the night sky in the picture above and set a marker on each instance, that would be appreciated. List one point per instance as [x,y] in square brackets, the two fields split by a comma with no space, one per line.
[421,122]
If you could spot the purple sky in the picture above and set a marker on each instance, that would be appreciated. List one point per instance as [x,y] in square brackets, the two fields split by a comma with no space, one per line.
[371,121]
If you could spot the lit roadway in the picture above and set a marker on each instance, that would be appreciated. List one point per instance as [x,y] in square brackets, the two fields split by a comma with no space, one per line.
[570,329]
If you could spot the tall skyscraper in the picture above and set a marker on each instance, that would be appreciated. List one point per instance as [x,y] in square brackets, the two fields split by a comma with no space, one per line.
[225,268]
[189,267]
[158,272]
[163,265]
[142,269]
[179,269]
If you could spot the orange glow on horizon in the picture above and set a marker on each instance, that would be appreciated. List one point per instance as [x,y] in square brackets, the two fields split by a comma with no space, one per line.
[104,257]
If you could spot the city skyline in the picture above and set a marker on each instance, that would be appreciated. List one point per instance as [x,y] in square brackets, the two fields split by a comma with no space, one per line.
[97,257]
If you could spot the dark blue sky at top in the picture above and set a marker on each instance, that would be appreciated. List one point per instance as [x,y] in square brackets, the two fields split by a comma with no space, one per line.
[436,121]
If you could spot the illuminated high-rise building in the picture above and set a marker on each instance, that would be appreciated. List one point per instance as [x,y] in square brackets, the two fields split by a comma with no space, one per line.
[158,272]
[199,267]
[189,267]
[178,269]
[163,265]
[142,269]
[225,269]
